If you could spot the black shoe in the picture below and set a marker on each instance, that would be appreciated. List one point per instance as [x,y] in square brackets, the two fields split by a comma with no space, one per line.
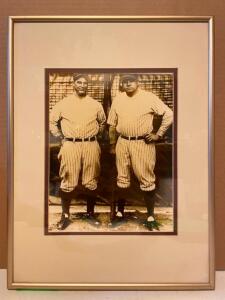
[151,225]
[92,220]
[118,220]
[63,223]
[120,215]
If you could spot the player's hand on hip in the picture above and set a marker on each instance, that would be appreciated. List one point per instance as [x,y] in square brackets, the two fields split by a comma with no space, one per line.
[112,149]
[100,137]
[151,137]
[61,141]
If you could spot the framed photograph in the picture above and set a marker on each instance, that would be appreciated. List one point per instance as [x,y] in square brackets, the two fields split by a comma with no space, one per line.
[110,153]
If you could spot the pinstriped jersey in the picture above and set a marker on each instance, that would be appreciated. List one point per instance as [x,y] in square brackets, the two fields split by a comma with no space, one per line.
[133,116]
[76,117]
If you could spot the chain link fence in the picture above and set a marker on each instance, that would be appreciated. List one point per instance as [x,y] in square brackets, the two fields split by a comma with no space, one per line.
[104,87]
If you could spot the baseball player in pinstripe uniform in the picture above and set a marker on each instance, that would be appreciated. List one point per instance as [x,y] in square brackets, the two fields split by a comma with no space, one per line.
[77,120]
[131,116]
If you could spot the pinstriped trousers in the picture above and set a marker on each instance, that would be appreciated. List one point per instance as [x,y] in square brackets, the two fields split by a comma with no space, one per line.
[76,158]
[141,157]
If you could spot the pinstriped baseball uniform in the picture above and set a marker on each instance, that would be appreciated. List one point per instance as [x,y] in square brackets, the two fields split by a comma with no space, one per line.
[73,117]
[133,116]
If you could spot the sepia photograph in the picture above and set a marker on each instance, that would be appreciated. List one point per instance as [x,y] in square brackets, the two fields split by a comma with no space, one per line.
[111,151]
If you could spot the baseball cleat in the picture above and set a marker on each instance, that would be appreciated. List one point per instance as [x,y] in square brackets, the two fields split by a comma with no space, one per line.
[64,222]
[152,224]
[92,220]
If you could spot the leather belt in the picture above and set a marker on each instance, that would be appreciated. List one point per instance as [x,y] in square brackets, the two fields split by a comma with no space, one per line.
[133,138]
[89,139]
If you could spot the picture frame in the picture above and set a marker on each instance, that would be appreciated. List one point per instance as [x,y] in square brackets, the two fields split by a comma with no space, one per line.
[41,47]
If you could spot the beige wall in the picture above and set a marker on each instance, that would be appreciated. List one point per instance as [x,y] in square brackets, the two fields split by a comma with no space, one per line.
[122,7]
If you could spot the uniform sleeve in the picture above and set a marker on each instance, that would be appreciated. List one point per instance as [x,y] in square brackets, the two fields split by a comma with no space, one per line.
[55,117]
[112,117]
[161,109]
[101,118]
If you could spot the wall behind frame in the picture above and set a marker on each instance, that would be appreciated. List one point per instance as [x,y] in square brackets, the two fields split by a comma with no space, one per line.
[214,8]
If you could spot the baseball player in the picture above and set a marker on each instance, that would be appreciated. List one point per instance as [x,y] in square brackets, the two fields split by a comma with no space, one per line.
[131,117]
[77,120]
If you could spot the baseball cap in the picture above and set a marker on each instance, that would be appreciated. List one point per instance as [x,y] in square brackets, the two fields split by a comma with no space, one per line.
[77,76]
[133,77]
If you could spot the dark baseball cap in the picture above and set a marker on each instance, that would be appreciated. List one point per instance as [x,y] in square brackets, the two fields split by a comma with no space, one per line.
[77,76]
[133,77]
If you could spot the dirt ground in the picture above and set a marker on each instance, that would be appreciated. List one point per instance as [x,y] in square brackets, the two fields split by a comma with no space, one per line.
[135,217]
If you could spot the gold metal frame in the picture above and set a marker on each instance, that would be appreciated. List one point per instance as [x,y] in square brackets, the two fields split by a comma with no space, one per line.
[110,19]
